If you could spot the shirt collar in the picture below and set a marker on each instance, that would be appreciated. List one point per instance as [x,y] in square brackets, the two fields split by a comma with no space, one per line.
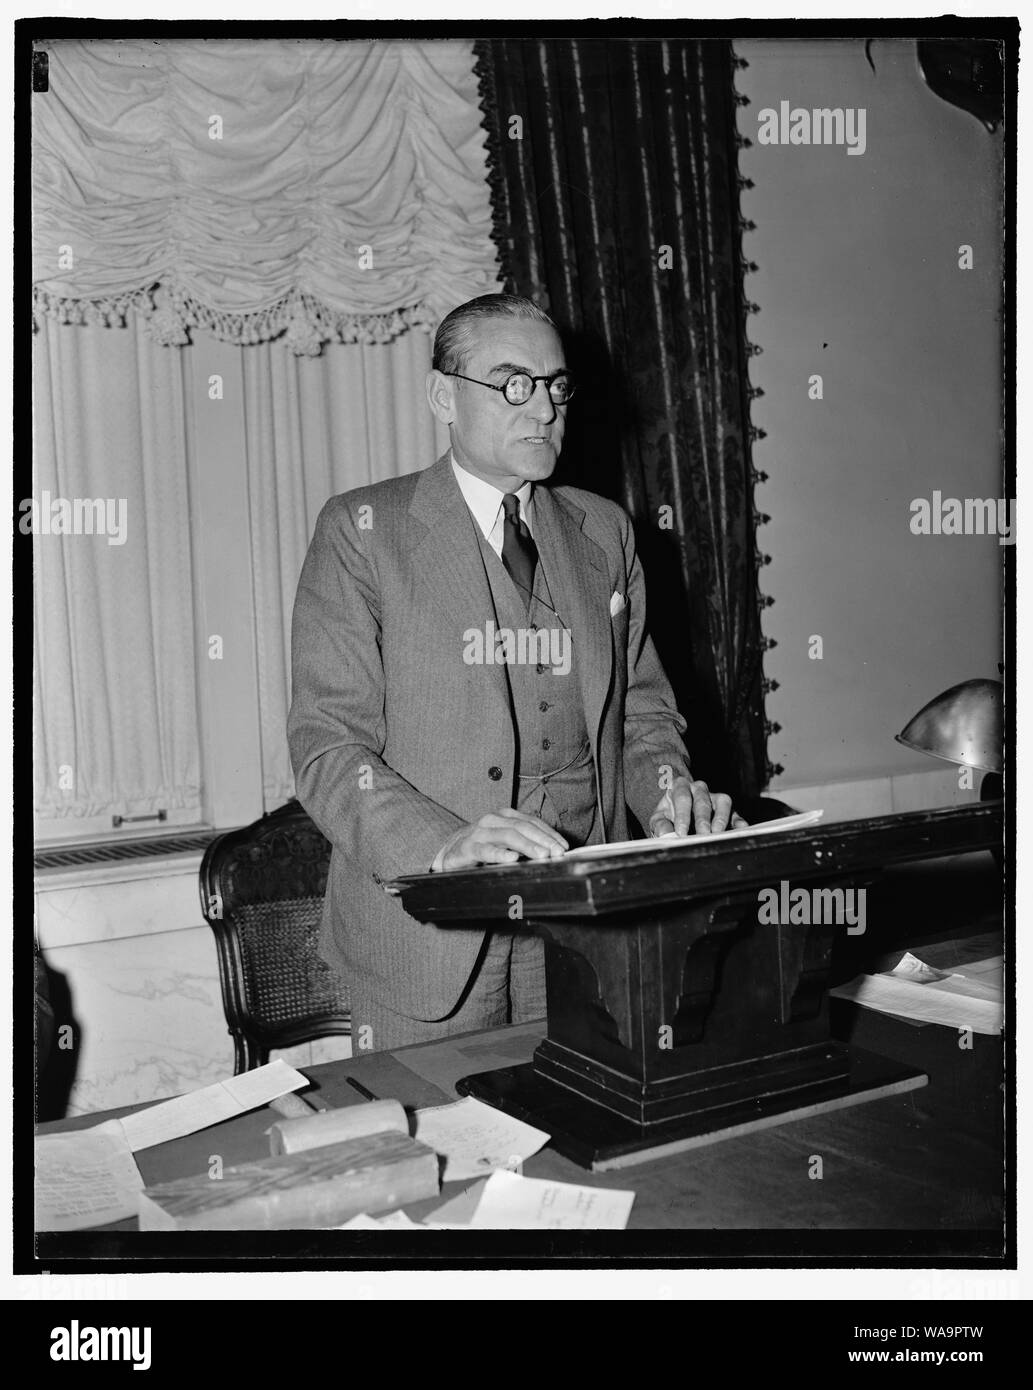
[484,499]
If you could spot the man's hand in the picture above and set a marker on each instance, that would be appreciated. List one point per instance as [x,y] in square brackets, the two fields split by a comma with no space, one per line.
[500,837]
[689,804]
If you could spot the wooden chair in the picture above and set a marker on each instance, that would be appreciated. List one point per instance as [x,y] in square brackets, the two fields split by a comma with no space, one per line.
[262,893]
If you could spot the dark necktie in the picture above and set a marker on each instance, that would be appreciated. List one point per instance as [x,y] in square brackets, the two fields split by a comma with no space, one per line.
[519,552]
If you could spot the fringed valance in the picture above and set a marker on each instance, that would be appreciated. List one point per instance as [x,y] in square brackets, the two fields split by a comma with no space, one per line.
[323,190]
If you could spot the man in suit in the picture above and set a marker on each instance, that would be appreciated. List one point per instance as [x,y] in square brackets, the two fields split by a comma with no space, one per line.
[473,683]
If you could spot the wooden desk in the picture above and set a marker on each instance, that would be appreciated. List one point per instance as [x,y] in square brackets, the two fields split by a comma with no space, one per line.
[916,1178]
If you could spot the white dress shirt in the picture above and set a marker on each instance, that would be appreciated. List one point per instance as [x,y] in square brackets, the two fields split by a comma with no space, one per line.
[485,502]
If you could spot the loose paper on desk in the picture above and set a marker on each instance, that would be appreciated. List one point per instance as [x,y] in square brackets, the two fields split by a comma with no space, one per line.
[85,1177]
[799,821]
[475,1138]
[955,1000]
[209,1106]
[512,1203]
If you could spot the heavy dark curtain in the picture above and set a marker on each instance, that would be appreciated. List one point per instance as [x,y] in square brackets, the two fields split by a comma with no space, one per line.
[615,198]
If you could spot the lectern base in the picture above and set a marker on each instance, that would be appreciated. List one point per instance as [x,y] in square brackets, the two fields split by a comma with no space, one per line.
[597,1139]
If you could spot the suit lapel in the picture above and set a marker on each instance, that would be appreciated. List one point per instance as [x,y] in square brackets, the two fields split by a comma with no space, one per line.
[447,561]
[576,570]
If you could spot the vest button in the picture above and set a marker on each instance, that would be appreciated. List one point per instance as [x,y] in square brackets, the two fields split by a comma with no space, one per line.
[546,743]
[495,773]
[543,705]
[540,669]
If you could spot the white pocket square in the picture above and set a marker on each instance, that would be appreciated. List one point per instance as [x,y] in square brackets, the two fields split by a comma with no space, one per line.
[617,603]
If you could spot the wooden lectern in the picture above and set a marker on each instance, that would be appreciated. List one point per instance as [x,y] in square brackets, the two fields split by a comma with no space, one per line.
[675,1016]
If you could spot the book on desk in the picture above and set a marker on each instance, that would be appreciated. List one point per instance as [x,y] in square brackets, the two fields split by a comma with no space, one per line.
[323,1170]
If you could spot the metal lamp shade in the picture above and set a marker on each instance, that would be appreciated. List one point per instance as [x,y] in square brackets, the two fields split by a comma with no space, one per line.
[963,725]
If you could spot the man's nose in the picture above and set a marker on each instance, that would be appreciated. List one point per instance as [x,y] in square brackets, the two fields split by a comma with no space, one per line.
[541,406]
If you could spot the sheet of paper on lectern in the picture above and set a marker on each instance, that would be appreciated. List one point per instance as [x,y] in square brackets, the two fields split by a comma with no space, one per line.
[658,843]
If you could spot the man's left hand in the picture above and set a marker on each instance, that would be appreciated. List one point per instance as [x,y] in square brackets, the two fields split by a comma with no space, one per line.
[691,805]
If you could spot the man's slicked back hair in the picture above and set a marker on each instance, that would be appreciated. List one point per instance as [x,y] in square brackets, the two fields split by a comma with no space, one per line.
[453,341]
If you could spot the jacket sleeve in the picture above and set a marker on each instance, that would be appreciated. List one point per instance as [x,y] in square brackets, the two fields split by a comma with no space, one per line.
[336,728]
[654,753]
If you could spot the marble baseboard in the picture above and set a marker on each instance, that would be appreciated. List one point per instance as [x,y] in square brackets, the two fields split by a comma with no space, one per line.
[146,1019]
[109,902]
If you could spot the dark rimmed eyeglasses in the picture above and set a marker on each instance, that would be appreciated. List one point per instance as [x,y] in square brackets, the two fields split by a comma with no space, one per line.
[519,388]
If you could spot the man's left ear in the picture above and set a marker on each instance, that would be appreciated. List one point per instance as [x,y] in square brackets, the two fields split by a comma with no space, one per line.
[440,396]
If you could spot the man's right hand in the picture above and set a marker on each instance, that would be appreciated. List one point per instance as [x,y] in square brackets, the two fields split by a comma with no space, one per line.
[501,837]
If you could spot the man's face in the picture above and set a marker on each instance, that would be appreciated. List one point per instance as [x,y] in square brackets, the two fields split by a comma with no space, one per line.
[507,445]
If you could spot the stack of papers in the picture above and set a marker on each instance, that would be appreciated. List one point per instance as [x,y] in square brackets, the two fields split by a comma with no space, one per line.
[476,1139]
[89,1177]
[971,996]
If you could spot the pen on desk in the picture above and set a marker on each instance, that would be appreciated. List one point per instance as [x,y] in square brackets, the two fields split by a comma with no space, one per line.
[360,1088]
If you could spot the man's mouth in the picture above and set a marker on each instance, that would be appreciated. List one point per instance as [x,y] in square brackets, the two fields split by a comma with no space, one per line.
[536,439]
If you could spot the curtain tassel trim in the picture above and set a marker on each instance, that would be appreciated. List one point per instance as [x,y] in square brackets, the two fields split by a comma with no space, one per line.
[171,311]
[492,118]
[757,476]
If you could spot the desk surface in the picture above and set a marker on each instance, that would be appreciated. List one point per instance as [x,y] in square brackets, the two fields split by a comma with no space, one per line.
[930,1160]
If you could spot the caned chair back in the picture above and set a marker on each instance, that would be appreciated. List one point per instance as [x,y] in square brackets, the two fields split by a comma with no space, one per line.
[262,893]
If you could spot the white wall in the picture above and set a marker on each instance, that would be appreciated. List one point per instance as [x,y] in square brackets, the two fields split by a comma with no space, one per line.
[858,280]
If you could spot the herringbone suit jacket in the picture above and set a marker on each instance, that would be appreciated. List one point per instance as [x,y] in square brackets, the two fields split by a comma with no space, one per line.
[396,741]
